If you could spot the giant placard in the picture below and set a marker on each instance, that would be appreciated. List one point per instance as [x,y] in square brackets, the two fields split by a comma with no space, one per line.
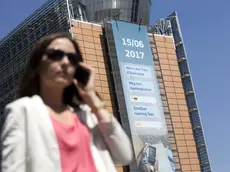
[142,97]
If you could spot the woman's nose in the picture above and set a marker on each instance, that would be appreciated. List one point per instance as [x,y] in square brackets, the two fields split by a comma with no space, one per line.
[65,60]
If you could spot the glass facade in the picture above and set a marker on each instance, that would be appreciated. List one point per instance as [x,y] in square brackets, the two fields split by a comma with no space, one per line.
[15,47]
[190,95]
[77,10]
[134,11]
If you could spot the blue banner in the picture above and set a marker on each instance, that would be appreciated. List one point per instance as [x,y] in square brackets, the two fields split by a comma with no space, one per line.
[142,97]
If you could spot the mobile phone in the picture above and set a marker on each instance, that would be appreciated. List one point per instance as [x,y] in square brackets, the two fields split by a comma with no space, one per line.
[82,75]
[152,155]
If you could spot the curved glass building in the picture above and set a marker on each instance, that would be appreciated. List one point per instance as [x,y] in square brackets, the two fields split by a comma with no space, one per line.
[134,11]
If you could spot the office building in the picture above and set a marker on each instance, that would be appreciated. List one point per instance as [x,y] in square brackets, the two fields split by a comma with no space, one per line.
[185,137]
[171,26]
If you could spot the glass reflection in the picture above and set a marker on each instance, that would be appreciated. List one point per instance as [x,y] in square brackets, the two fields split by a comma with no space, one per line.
[126,10]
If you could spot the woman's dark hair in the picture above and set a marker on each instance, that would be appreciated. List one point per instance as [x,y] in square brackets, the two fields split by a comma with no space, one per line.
[30,85]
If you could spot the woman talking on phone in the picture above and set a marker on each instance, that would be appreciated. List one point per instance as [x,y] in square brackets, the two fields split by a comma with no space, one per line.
[59,123]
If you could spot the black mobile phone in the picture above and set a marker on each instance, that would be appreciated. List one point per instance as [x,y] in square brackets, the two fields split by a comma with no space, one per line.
[82,75]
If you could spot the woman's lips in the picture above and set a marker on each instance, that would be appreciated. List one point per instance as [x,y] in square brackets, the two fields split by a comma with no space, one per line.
[62,73]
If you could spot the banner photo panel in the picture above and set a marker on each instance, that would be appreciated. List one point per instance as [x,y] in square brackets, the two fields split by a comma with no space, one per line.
[142,97]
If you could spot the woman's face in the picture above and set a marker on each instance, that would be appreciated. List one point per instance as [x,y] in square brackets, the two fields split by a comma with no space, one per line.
[57,66]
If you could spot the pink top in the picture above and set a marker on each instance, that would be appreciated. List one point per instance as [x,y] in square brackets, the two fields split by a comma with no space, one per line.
[74,145]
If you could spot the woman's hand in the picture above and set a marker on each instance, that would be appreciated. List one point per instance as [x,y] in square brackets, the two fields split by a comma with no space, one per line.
[116,139]
[88,94]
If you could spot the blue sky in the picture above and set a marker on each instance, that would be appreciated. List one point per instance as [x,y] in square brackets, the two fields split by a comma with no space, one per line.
[205,26]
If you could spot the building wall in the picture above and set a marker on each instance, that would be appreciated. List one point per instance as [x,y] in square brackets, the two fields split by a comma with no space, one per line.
[91,42]
[176,104]
[165,102]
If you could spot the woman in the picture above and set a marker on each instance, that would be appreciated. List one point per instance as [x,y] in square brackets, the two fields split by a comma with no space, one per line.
[57,124]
